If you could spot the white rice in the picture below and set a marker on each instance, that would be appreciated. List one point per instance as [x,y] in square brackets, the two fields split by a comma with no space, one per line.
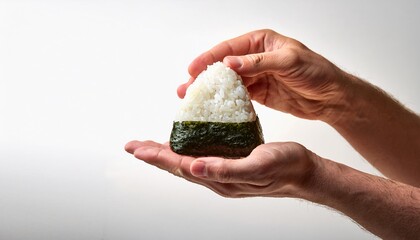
[217,95]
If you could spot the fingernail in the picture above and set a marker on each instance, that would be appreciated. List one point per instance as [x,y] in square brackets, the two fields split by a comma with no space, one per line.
[198,169]
[233,62]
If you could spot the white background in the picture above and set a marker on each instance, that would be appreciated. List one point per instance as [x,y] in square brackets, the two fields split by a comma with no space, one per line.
[79,79]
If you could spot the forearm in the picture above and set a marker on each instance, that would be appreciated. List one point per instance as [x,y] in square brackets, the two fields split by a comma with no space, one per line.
[386,208]
[382,130]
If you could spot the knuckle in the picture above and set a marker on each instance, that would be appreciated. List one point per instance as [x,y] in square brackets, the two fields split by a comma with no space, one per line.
[265,31]
[293,55]
[177,172]
[222,174]
[256,59]
[292,59]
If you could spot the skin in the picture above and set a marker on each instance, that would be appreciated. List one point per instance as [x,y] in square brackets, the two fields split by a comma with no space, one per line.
[285,75]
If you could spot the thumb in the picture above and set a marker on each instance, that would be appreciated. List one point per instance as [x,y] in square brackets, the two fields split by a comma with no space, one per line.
[221,170]
[253,64]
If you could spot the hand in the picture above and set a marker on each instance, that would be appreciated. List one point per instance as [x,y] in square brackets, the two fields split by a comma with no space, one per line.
[279,72]
[273,169]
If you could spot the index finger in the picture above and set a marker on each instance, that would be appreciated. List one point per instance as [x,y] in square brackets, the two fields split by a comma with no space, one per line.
[253,42]
[161,156]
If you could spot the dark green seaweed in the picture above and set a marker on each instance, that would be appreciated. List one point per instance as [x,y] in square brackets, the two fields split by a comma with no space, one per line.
[231,140]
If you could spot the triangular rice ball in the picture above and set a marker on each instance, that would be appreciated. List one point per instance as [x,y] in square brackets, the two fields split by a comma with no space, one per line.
[216,117]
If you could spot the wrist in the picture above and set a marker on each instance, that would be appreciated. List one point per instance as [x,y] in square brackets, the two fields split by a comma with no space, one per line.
[380,128]
[329,183]
[313,187]
[310,184]
[335,185]
[356,100]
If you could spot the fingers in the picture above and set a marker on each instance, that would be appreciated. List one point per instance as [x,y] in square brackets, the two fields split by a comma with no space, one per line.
[250,43]
[162,157]
[208,168]
[133,145]
[236,46]
[159,155]
[182,89]
[281,61]
[246,170]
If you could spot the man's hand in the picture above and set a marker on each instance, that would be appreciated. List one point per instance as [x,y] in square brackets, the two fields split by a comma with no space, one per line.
[280,73]
[386,208]
[273,169]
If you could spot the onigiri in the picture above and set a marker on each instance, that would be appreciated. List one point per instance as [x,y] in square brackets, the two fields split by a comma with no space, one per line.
[216,117]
